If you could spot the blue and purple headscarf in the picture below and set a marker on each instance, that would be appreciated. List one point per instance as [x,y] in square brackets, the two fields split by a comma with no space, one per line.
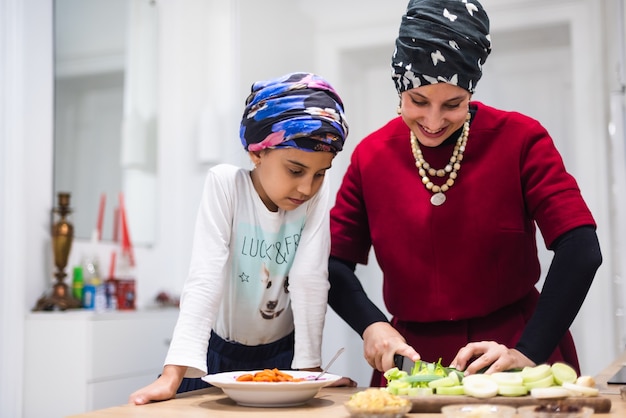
[297,110]
[441,41]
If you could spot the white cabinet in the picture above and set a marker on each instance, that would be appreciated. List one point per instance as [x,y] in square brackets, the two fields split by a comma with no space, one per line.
[78,361]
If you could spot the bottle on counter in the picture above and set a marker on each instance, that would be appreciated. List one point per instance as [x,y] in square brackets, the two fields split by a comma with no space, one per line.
[111,284]
[77,283]
[94,295]
[94,291]
[111,293]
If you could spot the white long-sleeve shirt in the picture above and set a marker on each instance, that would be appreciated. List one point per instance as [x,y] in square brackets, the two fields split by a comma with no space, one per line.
[254,274]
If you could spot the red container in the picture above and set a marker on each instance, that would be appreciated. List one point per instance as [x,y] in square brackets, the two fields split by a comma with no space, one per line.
[126,294]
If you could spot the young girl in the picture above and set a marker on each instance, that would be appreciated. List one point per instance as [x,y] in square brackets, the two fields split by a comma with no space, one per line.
[257,288]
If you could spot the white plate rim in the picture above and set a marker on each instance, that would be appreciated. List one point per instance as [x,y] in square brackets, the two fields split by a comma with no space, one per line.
[226,380]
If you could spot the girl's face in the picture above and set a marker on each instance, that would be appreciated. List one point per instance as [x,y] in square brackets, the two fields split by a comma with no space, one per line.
[433,112]
[285,178]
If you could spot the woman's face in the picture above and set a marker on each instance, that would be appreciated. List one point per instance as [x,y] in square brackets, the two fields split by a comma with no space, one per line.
[285,178]
[434,111]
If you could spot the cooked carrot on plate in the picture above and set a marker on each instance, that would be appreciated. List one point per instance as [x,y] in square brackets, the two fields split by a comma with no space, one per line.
[268,375]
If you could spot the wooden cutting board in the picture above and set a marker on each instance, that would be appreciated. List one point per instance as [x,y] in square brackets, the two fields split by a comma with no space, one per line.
[433,403]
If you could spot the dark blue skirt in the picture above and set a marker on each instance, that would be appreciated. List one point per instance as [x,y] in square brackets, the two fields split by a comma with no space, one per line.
[228,356]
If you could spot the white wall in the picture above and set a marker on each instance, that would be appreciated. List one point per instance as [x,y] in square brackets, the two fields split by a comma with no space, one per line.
[25,176]
[187,84]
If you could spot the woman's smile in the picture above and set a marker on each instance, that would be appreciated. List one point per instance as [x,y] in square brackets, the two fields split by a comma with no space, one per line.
[431,133]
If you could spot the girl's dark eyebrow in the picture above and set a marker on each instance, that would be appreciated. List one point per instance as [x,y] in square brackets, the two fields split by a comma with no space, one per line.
[299,164]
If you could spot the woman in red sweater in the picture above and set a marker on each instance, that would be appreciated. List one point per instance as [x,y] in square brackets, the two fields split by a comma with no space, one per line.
[449,194]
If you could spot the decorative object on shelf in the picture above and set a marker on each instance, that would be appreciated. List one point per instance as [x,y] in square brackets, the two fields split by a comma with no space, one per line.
[165,299]
[62,236]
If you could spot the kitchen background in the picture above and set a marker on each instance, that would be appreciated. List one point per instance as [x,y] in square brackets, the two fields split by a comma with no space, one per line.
[175,74]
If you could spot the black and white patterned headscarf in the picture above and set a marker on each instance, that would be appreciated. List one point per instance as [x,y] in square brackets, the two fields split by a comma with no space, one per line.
[441,41]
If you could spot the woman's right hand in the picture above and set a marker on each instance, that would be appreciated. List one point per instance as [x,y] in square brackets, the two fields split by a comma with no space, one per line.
[162,389]
[381,342]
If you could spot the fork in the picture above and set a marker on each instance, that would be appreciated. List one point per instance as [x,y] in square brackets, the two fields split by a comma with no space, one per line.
[332,360]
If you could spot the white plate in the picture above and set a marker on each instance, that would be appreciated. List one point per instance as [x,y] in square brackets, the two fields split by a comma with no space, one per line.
[270,394]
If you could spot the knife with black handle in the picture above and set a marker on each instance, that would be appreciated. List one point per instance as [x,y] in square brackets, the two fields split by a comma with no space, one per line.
[403,363]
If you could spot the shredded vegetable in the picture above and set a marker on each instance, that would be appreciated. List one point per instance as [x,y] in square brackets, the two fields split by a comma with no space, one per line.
[376,400]
[418,382]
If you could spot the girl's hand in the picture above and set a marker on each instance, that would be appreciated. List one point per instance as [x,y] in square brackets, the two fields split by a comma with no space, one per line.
[162,389]
[381,342]
[343,382]
[489,356]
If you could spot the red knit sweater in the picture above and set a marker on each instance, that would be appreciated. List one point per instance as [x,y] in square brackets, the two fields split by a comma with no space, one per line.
[477,252]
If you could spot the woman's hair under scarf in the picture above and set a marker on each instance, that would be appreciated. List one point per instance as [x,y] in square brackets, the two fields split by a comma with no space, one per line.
[297,110]
[441,41]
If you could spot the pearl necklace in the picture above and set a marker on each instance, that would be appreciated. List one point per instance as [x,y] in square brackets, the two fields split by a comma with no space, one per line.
[451,169]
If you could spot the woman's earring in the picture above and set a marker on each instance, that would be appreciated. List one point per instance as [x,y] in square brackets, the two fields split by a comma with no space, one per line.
[399,110]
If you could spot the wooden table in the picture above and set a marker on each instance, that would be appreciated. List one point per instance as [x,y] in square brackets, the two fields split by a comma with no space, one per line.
[328,404]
